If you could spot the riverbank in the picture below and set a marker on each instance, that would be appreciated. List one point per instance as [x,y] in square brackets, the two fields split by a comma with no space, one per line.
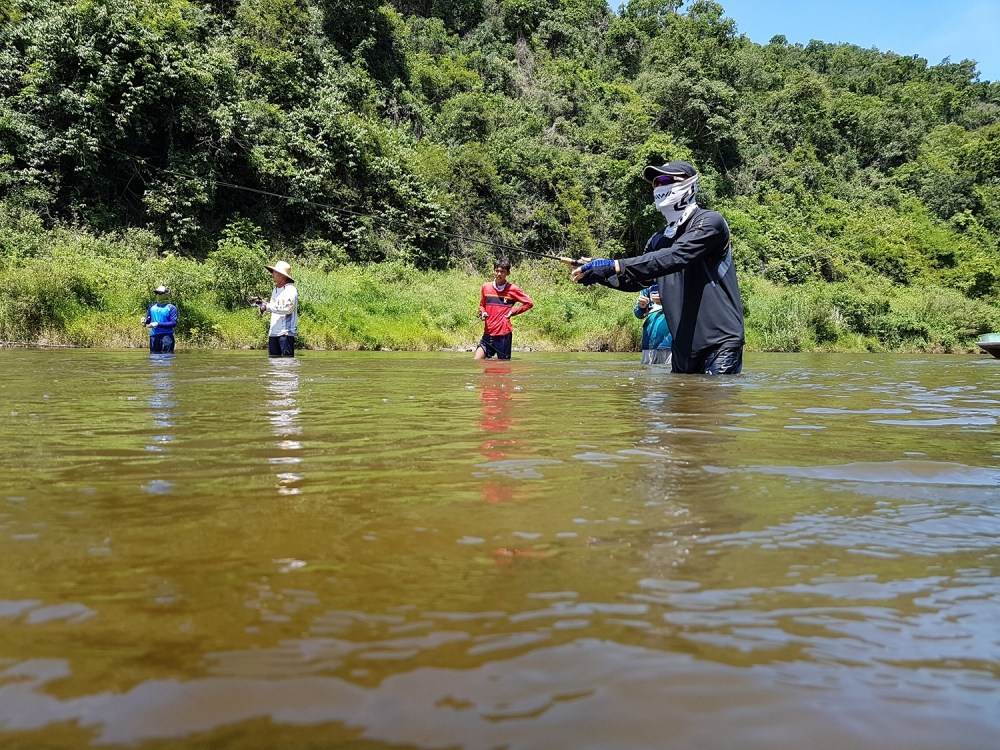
[68,288]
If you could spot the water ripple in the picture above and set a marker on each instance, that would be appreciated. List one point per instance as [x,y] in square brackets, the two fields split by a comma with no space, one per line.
[915,472]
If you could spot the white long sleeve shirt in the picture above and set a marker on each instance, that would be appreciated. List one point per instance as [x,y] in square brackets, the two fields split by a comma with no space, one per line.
[284,309]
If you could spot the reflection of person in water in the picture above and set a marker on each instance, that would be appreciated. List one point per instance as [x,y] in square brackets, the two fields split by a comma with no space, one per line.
[691,428]
[496,397]
[495,420]
[161,401]
[283,413]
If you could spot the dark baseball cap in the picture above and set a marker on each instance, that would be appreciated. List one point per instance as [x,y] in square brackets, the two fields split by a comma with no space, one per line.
[675,168]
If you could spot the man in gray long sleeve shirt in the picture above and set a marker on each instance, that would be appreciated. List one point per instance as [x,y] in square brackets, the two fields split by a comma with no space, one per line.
[692,261]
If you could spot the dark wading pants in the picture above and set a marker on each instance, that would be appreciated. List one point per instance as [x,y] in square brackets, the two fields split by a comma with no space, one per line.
[161,343]
[281,346]
[721,361]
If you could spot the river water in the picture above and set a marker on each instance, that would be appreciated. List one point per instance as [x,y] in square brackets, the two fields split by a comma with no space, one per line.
[394,550]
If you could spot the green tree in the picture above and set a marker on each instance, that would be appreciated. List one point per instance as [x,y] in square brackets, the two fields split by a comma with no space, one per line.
[237,265]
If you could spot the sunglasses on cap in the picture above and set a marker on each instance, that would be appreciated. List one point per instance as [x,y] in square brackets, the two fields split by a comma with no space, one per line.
[669,179]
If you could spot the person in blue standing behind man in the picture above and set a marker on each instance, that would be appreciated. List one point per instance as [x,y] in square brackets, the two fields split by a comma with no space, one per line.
[284,308]
[691,260]
[161,319]
[656,338]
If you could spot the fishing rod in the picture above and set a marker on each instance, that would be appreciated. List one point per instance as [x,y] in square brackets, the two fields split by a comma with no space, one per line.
[385,219]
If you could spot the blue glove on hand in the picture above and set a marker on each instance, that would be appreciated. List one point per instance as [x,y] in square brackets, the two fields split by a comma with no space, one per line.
[597,270]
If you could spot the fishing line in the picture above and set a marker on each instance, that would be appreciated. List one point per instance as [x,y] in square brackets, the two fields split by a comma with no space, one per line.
[562,258]
[359,214]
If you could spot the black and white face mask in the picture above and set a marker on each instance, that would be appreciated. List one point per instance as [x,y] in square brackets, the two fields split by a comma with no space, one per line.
[676,201]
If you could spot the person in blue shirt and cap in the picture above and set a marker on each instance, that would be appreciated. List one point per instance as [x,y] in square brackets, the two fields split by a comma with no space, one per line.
[691,261]
[161,319]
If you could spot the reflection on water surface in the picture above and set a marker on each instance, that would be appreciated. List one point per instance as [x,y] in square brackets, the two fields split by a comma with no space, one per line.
[413,550]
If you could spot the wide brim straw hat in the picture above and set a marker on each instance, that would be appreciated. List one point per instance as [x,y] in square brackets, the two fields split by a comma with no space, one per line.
[283,268]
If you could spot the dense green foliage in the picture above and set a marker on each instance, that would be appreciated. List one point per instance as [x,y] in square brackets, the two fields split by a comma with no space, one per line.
[863,188]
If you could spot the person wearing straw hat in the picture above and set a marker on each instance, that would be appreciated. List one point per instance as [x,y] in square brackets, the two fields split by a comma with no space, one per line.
[284,308]
[161,319]
[691,262]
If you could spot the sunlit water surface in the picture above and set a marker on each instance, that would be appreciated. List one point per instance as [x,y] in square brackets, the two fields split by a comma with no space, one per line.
[564,551]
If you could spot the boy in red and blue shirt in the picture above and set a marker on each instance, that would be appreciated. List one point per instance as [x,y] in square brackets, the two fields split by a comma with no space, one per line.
[497,301]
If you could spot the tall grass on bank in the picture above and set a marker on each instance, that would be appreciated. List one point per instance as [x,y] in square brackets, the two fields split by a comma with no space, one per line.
[68,287]
[73,289]
[863,315]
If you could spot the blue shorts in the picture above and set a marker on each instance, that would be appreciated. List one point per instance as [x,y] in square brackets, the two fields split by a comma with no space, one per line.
[496,345]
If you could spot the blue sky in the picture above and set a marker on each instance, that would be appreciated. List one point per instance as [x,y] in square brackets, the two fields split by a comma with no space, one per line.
[959,29]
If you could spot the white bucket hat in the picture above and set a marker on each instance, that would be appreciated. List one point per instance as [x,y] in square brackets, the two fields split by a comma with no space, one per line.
[283,268]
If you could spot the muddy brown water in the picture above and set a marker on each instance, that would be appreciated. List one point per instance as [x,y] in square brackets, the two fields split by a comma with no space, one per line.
[392,550]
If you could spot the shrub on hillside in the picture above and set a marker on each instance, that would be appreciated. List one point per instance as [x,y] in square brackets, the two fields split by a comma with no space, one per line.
[237,266]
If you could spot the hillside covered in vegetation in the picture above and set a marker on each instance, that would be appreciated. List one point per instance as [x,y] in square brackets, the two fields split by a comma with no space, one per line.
[185,143]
